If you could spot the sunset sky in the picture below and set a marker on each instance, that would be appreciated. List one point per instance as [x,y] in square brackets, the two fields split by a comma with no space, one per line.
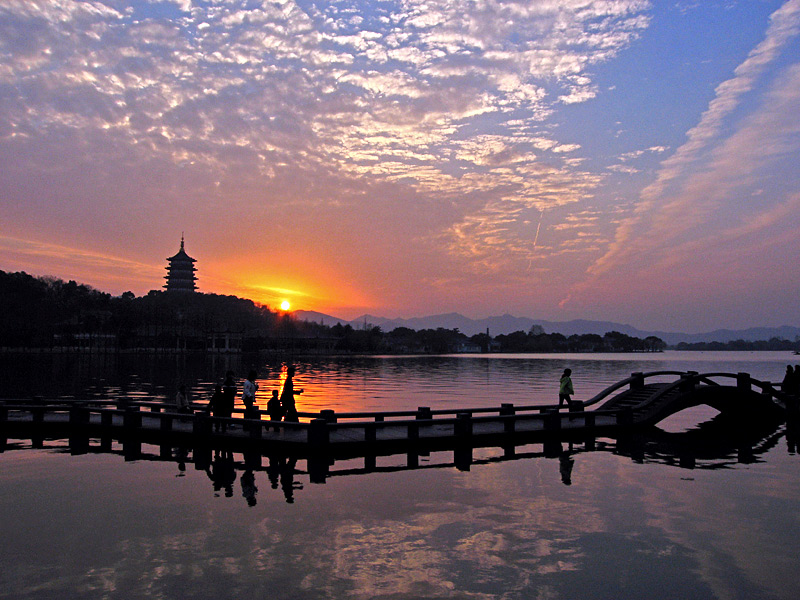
[627,160]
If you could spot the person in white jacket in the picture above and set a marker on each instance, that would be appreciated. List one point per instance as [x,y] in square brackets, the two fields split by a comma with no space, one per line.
[249,395]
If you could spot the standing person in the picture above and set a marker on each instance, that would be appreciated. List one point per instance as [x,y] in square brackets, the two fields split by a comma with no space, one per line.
[788,383]
[565,389]
[229,398]
[182,400]
[216,406]
[287,397]
[274,408]
[249,395]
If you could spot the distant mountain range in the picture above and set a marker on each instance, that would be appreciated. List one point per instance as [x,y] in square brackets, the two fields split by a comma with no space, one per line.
[508,324]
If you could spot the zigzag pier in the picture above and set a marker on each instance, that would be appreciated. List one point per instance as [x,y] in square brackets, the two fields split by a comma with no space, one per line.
[634,403]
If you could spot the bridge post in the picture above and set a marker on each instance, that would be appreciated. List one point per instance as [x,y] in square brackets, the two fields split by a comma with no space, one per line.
[78,415]
[166,423]
[507,410]
[462,457]
[463,426]
[318,466]
[370,432]
[37,413]
[638,380]
[413,431]
[328,414]
[131,418]
[687,381]
[625,416]
[256,429]
[370,462]
[743,383]
[424,413]
[318,435]
[552,421]
[201,425]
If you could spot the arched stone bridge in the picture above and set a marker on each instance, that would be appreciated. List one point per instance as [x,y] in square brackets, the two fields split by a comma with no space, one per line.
[646,403]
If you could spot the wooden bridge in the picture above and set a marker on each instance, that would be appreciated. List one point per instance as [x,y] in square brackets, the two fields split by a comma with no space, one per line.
[641,400]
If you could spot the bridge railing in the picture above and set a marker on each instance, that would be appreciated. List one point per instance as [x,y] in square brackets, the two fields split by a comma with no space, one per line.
[636,379]
[744,381]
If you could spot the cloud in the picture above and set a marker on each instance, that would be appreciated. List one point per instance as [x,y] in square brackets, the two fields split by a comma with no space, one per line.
[390,90]
[708,167]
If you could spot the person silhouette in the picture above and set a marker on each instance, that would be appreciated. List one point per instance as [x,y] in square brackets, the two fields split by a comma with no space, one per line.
[565,389]
[182,400]
[216,406]
[565,464]
[287,397]
[288,484]
[249,489]
[228,399]
[222,473]
[788,380]
[249,395]
[275,409]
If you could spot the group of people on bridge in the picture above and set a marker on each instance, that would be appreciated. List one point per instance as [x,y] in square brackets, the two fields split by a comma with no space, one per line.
[279,407]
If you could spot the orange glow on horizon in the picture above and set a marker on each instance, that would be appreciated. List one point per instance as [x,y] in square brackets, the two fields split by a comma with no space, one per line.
[324,291]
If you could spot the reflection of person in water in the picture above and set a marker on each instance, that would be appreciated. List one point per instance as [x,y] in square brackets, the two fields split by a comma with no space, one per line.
[288,484]
[222,472]
[181,454]
[565,464]
[274,470]
[249,488]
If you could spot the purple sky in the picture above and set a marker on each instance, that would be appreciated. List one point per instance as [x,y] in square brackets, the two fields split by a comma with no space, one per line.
[625,160]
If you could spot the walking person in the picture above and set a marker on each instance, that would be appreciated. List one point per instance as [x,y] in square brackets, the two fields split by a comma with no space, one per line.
[287,397]
[565,389]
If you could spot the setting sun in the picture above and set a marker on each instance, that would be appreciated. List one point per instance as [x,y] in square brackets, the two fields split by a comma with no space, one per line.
[285,305]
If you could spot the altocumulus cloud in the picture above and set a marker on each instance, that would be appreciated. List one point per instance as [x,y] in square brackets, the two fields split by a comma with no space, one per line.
[450,99]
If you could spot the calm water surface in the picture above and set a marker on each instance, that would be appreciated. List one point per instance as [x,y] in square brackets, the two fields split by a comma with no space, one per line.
[693,511]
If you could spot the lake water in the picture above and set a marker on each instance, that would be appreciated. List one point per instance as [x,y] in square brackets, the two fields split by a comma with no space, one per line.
[694,510]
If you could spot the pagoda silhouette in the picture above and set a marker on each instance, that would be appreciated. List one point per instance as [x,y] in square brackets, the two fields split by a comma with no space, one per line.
[180,272]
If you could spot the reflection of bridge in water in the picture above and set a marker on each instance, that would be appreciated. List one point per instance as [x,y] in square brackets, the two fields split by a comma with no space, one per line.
[715,444]
[640,401]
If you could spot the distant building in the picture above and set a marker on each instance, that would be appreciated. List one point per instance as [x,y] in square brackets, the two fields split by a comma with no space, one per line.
[180,272]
